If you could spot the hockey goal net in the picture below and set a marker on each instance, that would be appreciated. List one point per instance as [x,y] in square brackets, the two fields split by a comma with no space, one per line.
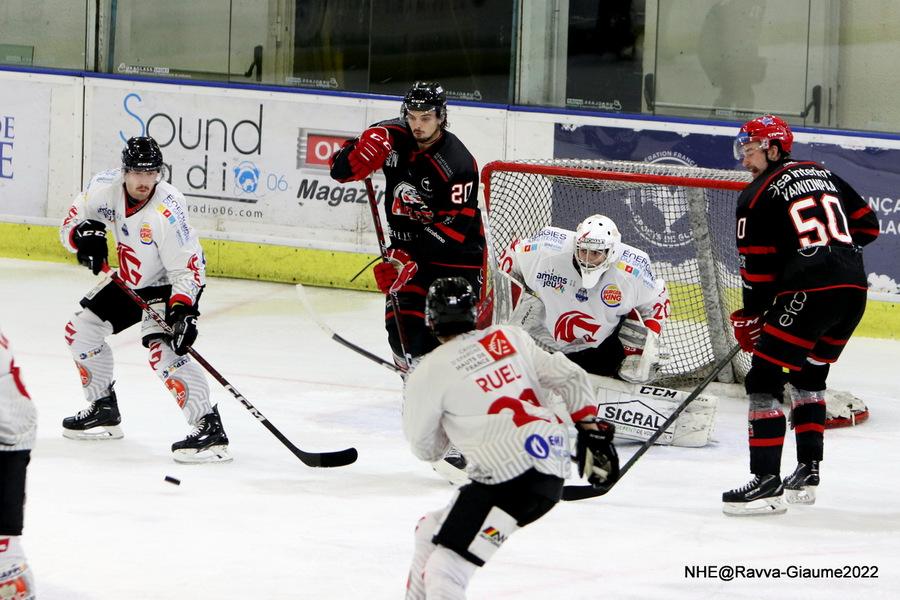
[682,216]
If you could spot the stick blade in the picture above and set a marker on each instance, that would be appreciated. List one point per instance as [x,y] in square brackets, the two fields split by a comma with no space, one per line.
[339,458]
[583,492]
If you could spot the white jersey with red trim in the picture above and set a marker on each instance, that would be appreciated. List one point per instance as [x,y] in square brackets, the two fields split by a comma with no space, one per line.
[156,245]
[18,417]
[488,394]
[575,318]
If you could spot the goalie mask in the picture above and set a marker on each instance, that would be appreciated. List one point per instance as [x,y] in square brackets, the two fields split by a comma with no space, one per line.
[765,130]
[450,307]
[597,246]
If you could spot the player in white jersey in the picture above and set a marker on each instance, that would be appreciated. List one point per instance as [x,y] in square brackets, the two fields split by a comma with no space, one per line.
[592,297]
[488,393]
[160,258]
[18,423]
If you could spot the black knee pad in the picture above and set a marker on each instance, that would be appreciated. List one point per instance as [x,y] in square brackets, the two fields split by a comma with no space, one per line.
[811,377]
[765,378]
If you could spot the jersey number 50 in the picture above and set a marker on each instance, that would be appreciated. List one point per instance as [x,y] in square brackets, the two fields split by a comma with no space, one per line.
[811,230]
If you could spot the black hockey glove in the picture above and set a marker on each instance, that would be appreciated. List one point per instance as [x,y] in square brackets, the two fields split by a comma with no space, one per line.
[183,321]
[90,241]
[595,454]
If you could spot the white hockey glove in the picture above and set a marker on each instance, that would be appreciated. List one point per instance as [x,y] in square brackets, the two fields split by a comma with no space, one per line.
[643,355]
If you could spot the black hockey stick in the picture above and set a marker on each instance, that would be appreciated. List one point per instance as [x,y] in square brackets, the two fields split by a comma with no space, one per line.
[339,458]
[382,247]
[581,492]
[301,295]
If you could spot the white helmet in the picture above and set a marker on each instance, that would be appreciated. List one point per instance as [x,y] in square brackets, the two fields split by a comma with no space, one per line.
[597,233]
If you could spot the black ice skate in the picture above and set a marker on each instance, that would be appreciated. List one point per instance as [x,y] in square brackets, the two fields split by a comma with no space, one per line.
[761,496]
[206,443]
[452,467]
[800,486]
[99,421]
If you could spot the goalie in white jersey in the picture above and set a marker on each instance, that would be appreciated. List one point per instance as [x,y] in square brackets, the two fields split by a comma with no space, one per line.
[592,297]
[487,393]
[161,259]
[18,424]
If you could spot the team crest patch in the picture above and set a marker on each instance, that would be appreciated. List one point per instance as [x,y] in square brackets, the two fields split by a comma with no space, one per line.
[497,345]
[611,295]
[581,295]
[179,390]
[146,234]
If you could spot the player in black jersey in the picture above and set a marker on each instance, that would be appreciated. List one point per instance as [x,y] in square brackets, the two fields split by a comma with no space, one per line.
[431,203]
[800,229]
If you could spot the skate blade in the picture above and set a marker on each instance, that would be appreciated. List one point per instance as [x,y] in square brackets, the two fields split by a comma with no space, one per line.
[213,454]
[806,495]
[450,473]
[103,432]
[763,506]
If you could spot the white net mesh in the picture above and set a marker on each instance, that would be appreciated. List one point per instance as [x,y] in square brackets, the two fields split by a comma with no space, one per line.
[686,225]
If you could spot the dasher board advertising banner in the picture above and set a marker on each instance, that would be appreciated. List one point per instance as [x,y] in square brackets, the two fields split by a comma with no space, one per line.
[249,163]
[24,147]
[873,171]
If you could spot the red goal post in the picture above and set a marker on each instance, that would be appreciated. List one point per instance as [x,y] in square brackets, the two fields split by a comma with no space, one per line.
[682,216]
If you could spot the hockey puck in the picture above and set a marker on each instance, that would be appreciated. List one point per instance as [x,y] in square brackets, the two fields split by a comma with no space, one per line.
[173,480]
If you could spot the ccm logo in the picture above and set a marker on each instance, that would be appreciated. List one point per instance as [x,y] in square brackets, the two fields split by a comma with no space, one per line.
[320,147]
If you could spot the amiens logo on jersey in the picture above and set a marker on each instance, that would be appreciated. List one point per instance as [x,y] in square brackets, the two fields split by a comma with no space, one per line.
[497,345]
[611,295]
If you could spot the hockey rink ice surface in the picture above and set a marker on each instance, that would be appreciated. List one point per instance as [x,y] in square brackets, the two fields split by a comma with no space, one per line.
[101,522]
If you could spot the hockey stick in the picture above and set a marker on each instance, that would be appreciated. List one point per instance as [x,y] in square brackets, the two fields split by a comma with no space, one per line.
[338,458]
[581,492]
[301,295]
[382,247]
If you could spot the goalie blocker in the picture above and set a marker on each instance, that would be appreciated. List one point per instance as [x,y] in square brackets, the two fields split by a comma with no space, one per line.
[638,410]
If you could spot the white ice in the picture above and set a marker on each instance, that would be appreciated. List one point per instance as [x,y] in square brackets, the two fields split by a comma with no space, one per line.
[101,523]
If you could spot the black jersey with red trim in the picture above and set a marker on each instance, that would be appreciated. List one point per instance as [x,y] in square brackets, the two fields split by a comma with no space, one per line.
[442,181]
[799,228]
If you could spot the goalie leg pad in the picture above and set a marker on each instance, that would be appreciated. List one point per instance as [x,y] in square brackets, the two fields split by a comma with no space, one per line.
[843,409]
[639,410]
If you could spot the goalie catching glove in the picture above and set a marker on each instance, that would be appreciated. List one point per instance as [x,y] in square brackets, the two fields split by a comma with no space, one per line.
[595,454]
[643,356]
[395,271]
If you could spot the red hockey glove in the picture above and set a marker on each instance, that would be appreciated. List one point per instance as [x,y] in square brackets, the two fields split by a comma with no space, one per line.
[368,155]
[395,272]
[747,329]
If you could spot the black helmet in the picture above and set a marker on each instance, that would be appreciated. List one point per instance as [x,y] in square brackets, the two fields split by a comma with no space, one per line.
[450,307]
[426,95]
[142,154]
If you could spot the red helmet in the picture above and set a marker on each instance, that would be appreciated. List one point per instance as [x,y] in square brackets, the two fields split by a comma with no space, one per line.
[764,129]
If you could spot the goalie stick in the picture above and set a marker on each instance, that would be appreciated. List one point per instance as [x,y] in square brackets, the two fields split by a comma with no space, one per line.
[337,458]
[581,492]
[301,295]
